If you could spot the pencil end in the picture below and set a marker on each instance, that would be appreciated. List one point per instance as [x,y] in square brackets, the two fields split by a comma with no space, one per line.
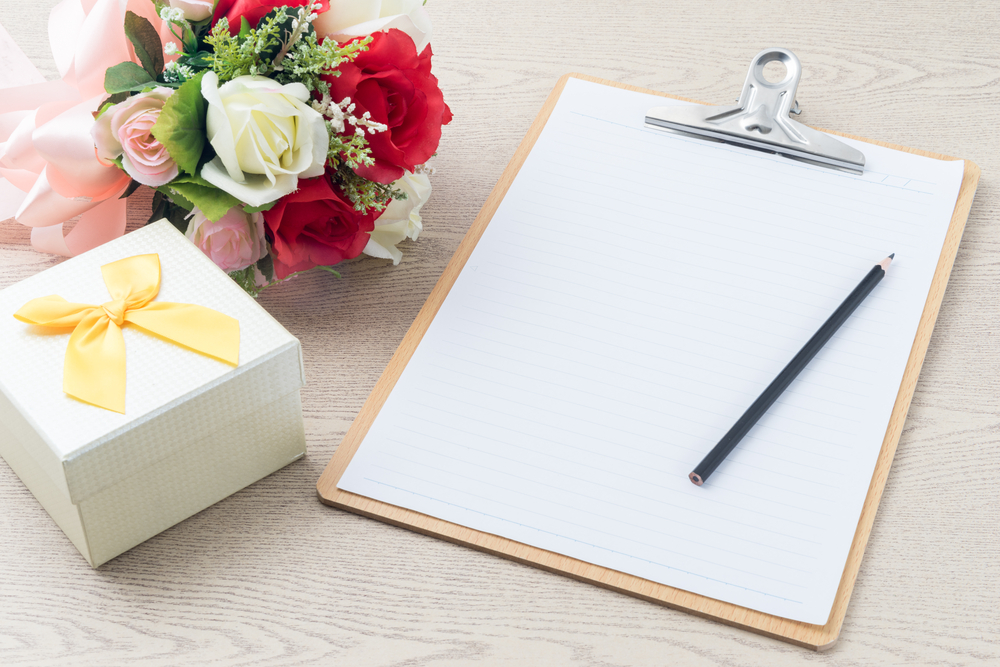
[696,479]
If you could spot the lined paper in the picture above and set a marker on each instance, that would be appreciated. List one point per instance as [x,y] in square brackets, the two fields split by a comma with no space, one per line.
[632,296]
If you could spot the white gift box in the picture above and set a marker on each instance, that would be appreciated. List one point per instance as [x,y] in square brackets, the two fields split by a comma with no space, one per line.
[195,429]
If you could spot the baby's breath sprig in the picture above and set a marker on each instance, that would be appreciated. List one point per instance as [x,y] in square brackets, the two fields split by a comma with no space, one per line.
[174,16]
[351,150]
[300,26]
[342,112]
[364,194]
[174,72]
[348,142]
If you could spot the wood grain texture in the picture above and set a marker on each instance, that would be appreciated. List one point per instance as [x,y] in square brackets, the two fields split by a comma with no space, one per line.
[817,637]
[272,577]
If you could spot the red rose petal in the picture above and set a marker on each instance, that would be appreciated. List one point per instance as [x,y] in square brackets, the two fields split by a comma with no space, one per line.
[315,226]
[392,82]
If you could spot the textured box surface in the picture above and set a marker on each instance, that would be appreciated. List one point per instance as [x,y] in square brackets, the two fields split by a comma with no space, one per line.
[194,430]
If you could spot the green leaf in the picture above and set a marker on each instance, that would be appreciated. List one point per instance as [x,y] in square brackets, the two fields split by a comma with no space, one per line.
[200,60]
[247,279]
[162,208]
[193,179]
[244,28]
[176,198]
[178,217]
[126,76]
[159,207]
[181,125]
[132,187]
[109,102]
[212,201]
[259,209]
[146,43]
[266,266]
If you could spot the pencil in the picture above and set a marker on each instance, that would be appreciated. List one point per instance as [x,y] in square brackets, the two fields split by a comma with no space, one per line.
[743,425]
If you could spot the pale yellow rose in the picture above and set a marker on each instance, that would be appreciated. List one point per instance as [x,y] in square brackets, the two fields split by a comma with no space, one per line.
[347,19]
[400,219]
[265,137]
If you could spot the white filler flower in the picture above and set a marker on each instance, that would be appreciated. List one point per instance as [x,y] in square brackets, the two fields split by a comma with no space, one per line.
[265,137]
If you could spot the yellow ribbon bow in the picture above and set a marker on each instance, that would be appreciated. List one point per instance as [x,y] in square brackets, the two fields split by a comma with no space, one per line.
[94,368]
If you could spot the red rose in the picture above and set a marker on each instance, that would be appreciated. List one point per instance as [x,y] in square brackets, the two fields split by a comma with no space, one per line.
[396,86]
[315,226]
[254,10]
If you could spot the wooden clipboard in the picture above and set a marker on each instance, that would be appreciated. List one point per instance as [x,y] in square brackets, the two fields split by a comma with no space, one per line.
[818,637]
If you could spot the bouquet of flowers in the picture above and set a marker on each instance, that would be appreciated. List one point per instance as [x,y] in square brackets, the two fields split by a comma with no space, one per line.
[279,135]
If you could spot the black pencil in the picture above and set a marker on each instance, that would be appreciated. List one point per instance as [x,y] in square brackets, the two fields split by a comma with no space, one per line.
[785,377]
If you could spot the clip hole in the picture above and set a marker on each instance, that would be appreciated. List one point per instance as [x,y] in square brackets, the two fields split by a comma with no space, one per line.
[775,71]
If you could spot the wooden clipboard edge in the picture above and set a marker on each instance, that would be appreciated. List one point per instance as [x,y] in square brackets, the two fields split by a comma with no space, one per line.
[815,637]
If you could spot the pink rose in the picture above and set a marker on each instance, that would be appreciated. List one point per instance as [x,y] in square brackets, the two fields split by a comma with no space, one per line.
[125,130]
[234,242]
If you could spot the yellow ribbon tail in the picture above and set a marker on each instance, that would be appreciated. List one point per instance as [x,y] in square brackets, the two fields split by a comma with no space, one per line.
[53,311]
[94,368]
[197,328]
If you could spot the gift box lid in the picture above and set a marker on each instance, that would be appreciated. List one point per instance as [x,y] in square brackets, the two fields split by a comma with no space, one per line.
[173,395]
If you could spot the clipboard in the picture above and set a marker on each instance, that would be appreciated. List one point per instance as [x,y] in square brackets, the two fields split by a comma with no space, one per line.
[817,637]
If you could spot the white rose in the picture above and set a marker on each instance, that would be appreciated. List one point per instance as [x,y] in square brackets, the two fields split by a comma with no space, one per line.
[194,10]
[264,135]
[347,19]
[400,219]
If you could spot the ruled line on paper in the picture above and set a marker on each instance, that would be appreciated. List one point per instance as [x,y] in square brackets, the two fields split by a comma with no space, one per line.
[761,208]
[630,297]
[644,528]
[674,262]
[614,400]
[818,243]
[730,262]
[812,482]
[761,384]
[756,155]
[649,316]
[781,349]
[533,528]
[617,537]
[744,178]
[645,499]
[787,417]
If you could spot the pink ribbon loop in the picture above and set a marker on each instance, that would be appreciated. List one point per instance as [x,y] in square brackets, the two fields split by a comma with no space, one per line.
[46,149]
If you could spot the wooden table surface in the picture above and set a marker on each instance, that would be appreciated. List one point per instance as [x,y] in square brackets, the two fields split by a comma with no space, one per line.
[270,576]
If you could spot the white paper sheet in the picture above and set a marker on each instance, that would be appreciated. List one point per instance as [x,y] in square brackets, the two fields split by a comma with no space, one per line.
[633,294]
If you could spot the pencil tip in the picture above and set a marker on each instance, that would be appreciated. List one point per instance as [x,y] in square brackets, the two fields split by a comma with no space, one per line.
[892,256]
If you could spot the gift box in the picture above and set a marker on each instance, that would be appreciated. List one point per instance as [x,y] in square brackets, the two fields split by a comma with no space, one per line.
[193,426]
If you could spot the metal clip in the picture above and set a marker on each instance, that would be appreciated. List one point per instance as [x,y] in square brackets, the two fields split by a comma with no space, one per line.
[760,119]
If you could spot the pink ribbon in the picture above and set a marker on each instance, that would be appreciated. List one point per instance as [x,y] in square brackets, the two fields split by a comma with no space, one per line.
[49,171]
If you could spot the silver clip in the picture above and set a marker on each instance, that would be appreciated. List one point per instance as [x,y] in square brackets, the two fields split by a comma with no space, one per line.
[760,119]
